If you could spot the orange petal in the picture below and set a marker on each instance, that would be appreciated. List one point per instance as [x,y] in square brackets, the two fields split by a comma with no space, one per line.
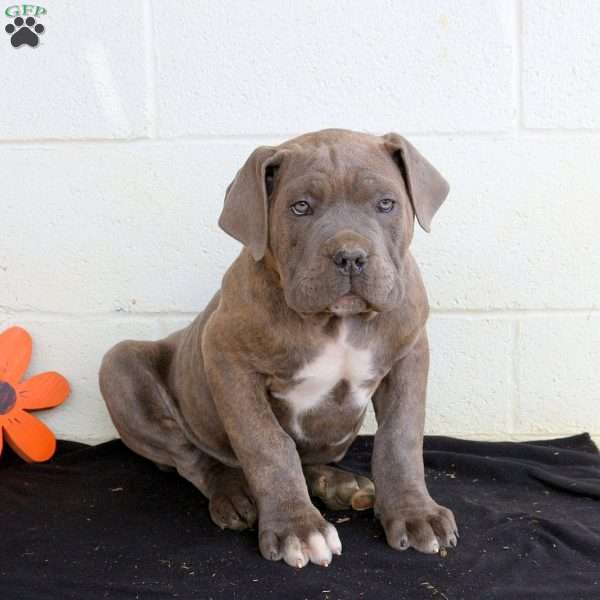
[29,437]
[15,353]
[42,391]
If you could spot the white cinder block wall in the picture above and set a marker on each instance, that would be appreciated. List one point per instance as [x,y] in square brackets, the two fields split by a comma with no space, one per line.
[120,132]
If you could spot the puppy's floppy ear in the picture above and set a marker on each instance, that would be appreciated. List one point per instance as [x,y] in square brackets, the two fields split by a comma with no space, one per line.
[245,212]
[426,187]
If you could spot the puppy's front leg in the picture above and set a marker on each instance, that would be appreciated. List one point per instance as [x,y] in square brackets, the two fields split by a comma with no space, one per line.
[290,527]
[410,517]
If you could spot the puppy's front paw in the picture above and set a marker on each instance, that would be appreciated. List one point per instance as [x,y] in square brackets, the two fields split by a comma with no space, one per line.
[299,538]
[424,526]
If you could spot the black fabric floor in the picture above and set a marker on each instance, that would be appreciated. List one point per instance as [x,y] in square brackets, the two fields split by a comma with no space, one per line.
[100,522]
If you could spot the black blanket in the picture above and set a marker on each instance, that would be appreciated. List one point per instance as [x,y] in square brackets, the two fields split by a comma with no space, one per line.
[101,522]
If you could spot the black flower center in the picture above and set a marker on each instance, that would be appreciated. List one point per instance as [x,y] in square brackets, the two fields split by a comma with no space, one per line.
[8,397]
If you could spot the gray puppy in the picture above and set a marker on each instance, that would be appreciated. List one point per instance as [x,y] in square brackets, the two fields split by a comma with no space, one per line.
[323,310]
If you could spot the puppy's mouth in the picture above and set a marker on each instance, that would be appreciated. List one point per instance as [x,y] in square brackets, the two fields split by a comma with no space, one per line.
[349,304]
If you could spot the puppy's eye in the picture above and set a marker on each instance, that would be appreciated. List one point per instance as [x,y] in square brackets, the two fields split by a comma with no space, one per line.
[301,208]
[385,206]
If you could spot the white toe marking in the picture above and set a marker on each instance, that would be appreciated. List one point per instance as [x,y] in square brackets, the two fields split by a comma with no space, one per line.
[318,550]
[292,552]
[333,539]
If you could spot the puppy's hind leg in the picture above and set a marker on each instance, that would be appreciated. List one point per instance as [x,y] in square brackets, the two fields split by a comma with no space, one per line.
[339,489]
[138,403]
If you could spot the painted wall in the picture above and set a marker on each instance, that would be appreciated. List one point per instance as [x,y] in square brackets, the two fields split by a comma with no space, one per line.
[120,131]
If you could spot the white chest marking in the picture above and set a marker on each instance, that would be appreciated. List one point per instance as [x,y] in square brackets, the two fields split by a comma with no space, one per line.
[337,361]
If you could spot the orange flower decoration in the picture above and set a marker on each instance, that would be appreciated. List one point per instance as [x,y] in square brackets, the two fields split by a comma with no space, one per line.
[25,434]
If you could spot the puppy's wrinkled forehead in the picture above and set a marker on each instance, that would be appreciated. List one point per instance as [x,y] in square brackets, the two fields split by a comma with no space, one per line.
[331,162]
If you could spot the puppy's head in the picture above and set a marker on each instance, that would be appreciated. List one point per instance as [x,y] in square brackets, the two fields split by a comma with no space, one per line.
[335,211]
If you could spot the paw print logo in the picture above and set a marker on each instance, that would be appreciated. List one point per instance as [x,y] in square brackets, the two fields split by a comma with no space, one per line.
[24,32]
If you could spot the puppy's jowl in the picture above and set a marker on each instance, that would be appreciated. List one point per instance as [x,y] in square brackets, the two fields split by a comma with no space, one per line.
[323,311]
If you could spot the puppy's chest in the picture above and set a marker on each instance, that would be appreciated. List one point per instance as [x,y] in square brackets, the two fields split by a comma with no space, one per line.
[337,383]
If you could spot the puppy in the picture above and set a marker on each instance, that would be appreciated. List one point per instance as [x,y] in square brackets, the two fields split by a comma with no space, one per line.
[323,311]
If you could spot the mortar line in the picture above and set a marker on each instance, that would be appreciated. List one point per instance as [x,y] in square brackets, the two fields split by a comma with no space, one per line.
[7,312]
[512,313]
[518,64]
[523,134]
[516,380]
[150,64]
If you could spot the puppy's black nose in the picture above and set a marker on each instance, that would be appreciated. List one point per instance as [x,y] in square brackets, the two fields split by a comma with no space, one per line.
[350,261]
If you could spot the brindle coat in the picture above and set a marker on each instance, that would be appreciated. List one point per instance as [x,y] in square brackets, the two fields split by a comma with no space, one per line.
[323,309]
